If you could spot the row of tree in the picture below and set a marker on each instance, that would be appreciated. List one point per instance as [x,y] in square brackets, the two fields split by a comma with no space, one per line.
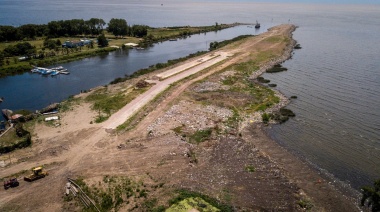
[74,27]
[119,27]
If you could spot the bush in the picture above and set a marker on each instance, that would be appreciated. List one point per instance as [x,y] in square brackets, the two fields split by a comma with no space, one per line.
[371,196]
[250,168]
[265,118]
[287,112]
[262,80]
[24,140]
[184,194]
[276,68]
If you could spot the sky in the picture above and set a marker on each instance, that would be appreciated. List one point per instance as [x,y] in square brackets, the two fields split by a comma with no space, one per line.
[312,1]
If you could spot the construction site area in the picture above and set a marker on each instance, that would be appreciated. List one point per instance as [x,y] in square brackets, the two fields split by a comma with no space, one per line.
[185,138]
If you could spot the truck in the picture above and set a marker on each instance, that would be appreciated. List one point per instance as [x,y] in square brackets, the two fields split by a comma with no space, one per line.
[11,183]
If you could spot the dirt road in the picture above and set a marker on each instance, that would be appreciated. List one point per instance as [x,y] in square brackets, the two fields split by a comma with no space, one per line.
[186,70]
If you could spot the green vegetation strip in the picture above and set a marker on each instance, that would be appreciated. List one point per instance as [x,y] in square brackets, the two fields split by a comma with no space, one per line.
[186,199]
[15,138]
[106,104]
[113,193]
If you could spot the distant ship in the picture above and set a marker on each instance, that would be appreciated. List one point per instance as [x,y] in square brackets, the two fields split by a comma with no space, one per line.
[257,25]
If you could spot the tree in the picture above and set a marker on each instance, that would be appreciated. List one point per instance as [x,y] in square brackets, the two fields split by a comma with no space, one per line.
[23,48]
[8,33]
[54,29]
[139,30]
[50,44]
[118,27]
[372,196]
[102,40]
[94,26]
[1,58]
[58,42]
[28,31]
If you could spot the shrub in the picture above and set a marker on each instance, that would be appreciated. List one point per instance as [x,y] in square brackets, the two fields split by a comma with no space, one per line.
[201,135]
[265,118]
[250,168]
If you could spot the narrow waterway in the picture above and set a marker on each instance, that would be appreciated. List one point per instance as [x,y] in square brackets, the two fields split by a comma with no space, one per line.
[33,91]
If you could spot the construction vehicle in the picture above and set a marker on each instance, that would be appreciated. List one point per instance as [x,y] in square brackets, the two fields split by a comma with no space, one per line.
[37,174]
[11,183]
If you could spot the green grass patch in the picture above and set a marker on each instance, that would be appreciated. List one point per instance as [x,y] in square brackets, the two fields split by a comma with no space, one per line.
[113,192]
[249,168]
[205,201]
[69,103]
[106,104]
[11,141]
[305,204]
[201,135]
[183,31]
[275,39]
[234,119]
[192,203]
[178,129]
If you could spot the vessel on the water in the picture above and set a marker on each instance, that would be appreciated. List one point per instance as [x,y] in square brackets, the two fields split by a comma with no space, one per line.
[257,25]
[52,71]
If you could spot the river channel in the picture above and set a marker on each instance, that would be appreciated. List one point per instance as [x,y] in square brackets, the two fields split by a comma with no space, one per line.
[33,91]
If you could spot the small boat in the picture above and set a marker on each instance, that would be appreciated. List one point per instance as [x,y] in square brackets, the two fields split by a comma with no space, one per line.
[257,25]
[173,39]
[46,72]
[54,73]
[57,68]
[34,70]
[64,72]
[1,99]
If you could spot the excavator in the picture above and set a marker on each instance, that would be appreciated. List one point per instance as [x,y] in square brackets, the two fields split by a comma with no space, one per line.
[37,174]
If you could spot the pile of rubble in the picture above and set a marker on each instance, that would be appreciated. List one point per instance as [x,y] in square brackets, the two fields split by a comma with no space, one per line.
[190,116]
[209,86]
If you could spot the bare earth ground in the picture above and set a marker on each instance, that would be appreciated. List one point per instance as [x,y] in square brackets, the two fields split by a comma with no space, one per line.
[153,153]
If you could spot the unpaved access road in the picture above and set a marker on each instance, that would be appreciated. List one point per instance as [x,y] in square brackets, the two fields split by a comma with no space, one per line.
[189,69]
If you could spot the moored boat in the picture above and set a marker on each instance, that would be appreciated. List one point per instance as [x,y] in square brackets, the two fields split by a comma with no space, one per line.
[64,71]
[54,73]
[257,25]
[58,68]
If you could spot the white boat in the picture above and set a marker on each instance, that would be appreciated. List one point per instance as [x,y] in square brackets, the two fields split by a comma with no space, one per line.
[54,73]
[64,71]
[58,68]
[46,71]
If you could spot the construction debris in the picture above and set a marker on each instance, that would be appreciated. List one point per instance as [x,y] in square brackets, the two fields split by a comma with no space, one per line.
[142,84]
[75,189]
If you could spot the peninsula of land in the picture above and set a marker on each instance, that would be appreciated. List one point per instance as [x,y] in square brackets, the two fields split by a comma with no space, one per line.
[184,138]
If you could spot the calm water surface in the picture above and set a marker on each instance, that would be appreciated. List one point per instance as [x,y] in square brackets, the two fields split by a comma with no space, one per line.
[336,75]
